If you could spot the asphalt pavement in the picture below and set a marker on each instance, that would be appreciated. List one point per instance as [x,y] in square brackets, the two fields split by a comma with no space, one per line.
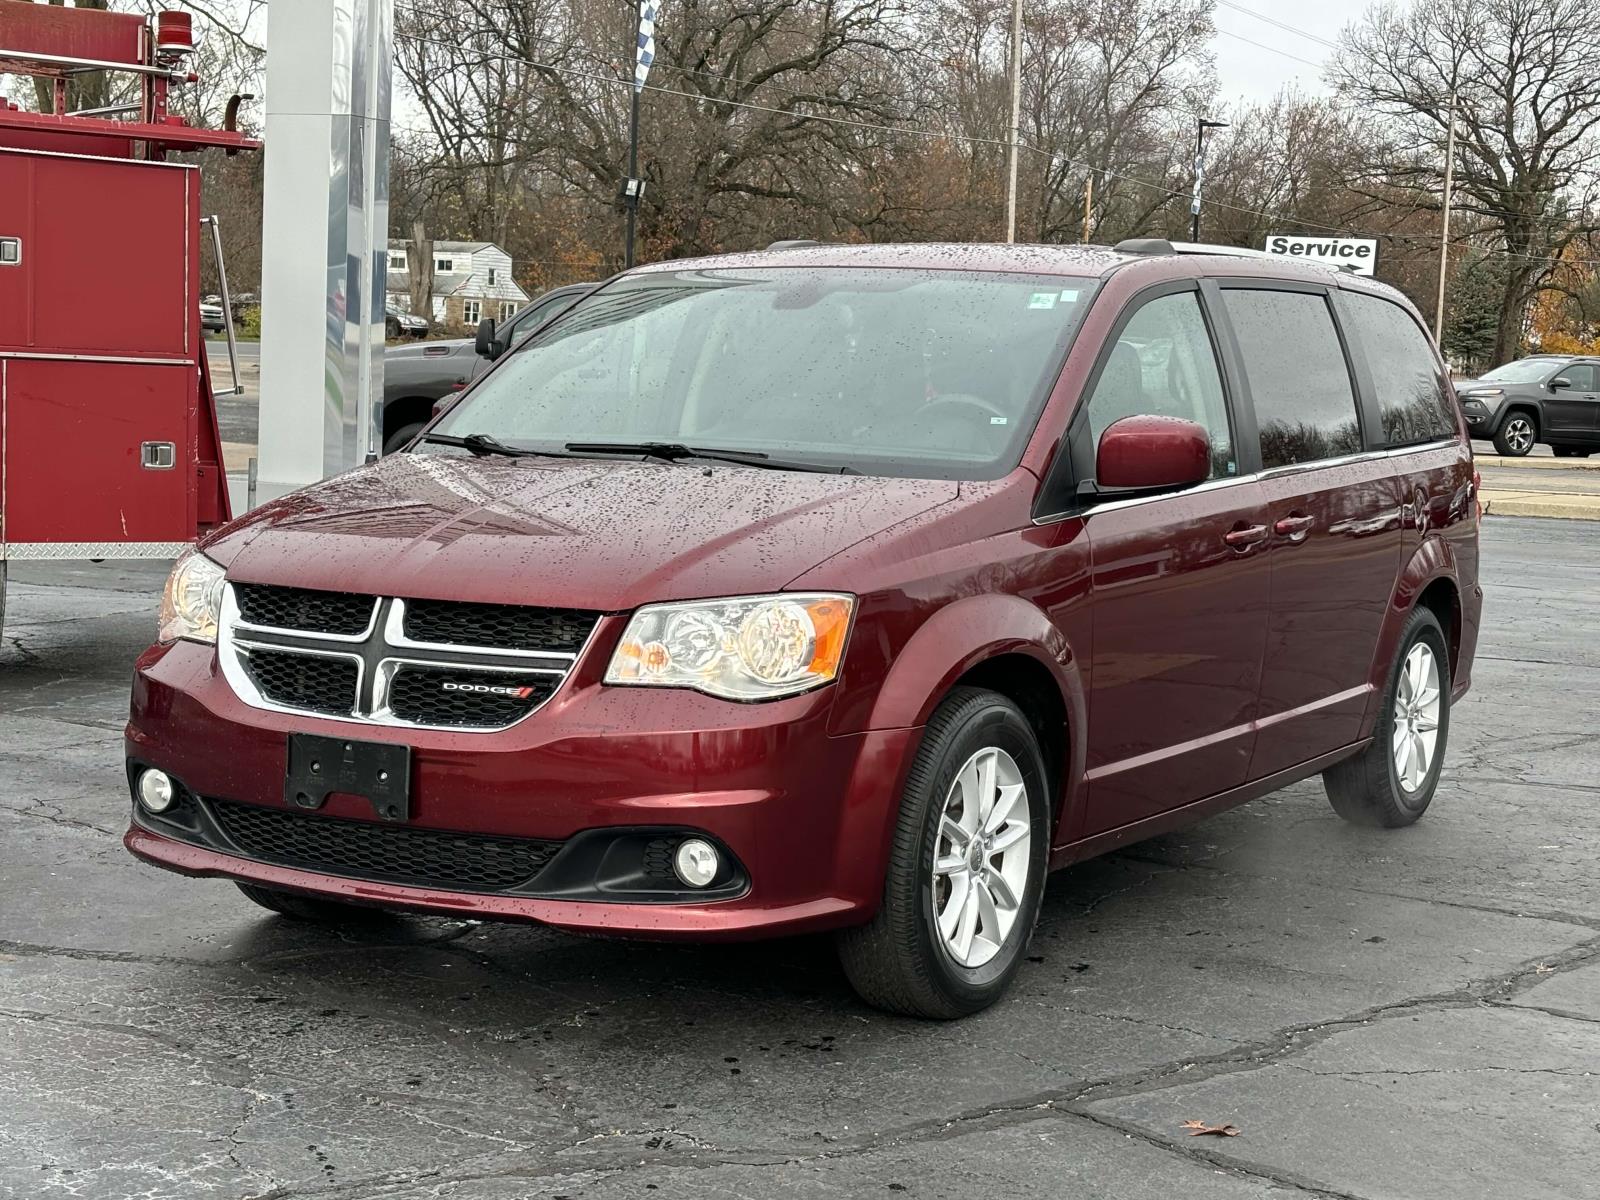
[1411,1015]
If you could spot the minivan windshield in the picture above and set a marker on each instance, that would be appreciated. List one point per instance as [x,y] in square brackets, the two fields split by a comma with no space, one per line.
[917,373]
[1524,370]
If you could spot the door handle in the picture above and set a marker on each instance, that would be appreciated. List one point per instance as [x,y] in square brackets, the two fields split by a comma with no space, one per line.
[1294,528]
[1244,538]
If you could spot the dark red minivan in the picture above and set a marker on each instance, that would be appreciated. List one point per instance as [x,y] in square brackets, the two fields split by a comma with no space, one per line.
[835,587]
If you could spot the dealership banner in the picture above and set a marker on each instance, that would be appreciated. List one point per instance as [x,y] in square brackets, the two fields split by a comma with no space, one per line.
[1359,255]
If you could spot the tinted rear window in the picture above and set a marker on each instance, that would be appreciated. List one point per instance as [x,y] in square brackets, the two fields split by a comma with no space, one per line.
[1305,403]
[1411,396]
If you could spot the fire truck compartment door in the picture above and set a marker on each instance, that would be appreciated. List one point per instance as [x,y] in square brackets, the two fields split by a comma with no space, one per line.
[104,254]
[96,452]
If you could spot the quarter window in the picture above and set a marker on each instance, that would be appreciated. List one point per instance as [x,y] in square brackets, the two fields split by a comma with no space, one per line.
[1411,398]
[1305,403]
[1163,364]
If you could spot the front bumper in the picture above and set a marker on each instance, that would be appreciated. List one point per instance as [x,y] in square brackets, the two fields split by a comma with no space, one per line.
[1479,417]
[804,815]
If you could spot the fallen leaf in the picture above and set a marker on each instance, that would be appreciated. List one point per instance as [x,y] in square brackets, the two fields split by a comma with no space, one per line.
[1199,1128]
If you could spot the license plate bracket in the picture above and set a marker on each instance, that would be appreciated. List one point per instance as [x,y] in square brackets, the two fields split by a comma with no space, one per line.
[379,772]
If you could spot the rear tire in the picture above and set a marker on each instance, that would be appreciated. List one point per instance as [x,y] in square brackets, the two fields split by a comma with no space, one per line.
[1516,434]
[1569,452]
[311,908]
[1391,783]
[952,854]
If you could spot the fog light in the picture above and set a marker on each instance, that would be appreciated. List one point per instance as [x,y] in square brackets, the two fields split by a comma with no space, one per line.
[156,792]
[696,863]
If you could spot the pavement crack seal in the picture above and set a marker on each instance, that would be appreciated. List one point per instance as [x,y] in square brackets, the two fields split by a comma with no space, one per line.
[1194,1151]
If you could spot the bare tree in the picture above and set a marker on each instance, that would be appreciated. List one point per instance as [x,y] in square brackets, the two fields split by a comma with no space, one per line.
[1528,112]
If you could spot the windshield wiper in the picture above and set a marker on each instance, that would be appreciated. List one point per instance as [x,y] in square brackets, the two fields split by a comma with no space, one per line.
[677,452]
[483,445]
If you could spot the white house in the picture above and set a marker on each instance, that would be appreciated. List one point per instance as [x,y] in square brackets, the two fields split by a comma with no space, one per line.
[471,280]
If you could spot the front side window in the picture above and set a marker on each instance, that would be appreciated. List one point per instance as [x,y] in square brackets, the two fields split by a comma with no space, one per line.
[1580,377]
[915,373]
[1163,364]
[1412,402]
[1305,402]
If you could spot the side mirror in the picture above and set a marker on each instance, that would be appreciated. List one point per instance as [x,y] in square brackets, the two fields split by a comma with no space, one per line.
[1150,453]
[1559,382]
[486,346]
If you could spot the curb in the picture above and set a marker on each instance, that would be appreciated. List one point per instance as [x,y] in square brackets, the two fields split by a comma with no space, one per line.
[1539,462]
[1540,504]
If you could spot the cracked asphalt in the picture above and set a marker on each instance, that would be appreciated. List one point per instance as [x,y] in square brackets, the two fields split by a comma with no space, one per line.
[1411,1014]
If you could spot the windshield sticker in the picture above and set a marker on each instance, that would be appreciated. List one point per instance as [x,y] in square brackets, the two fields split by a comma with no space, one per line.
[1043,300]
[1069,295]
[999,420]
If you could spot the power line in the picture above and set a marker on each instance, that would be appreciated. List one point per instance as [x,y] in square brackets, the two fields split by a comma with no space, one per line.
[1283,25]
[1274,49]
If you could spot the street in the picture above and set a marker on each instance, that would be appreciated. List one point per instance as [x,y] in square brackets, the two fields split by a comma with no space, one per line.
[1406,1014]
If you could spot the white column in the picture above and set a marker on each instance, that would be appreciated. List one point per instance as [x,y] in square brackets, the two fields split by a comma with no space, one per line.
[324,237]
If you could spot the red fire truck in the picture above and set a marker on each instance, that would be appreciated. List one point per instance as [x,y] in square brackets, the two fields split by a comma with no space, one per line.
[108,431]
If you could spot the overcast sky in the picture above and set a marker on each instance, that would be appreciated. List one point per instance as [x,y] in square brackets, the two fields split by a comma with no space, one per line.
[1258,71]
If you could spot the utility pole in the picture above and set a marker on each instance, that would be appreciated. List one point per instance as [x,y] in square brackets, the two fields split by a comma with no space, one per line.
[1201,125]
[1088,202]
[1016,118]
[643,55]
[630,192]
[1444,224]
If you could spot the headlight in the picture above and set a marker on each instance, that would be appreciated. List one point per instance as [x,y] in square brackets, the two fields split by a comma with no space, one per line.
[192,601]
[1480,393]
[748,648]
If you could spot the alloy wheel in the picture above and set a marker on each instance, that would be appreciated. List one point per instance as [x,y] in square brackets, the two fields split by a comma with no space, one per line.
[1519,434]
[981,856]
[1416,717]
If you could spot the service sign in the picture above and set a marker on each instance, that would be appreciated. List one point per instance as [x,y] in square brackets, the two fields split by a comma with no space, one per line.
[1358,254]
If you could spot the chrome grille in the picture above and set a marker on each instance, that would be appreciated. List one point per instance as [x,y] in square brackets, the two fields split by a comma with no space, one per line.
[428,695]
[507,626]
[314,682]
[339,614]
[387,661]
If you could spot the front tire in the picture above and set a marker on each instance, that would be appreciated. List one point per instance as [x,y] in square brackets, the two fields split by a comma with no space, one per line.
[1517,434]
[966,867]
[311,909]
[1391,783]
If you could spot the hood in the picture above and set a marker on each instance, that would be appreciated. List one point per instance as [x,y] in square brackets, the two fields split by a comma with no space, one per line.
[581,533]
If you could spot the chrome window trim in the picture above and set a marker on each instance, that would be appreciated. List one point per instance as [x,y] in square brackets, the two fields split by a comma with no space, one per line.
[1255,477]
[394,633]
[238,622]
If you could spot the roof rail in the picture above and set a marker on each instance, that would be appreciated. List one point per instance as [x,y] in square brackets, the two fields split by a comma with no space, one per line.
[794,244]
[1160,246]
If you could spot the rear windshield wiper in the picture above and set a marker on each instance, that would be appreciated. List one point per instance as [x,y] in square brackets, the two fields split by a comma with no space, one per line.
[677,452]
[483,445]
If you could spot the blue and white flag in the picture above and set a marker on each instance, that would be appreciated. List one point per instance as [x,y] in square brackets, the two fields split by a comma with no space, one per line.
[647,42]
